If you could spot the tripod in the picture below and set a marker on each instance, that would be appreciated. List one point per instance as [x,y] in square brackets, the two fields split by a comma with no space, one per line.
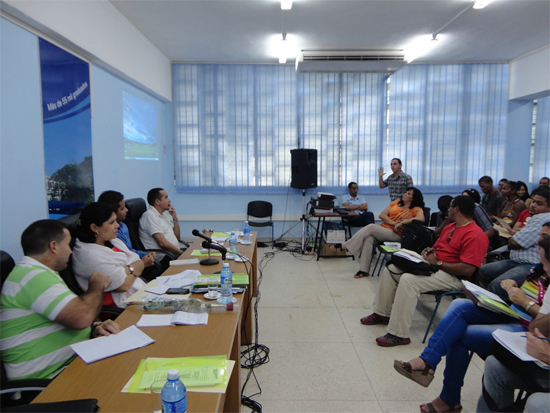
[303,220]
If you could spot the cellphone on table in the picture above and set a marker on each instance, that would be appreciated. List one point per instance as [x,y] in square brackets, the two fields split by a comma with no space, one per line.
[177,291]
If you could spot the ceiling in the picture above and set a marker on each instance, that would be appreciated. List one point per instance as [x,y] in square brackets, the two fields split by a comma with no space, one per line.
[248,31]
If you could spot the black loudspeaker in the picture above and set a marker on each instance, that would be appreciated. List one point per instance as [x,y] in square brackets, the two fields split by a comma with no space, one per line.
[304,168]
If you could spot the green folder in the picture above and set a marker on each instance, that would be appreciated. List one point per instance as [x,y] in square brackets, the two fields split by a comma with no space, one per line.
[238,279]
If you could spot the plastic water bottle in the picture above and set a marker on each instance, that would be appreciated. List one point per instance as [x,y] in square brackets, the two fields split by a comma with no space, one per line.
[246,233]
[174,394]
[226,281]
[233,243]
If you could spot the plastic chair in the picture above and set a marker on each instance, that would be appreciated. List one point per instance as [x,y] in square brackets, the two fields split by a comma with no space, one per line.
[261,209]
[438,297]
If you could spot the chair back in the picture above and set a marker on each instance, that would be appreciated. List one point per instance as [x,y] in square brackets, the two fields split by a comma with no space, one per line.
[259,209]
[433,219]
[426,211]
[136,208]
[7,264]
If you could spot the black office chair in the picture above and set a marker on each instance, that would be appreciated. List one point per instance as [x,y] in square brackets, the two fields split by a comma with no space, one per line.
[136,208]
[261,209]
[426,211]
[433,219]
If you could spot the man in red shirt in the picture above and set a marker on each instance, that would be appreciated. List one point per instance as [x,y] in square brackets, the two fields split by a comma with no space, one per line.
[456,256]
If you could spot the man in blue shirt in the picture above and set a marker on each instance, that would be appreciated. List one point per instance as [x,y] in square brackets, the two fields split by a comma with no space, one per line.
[116,201]
[357,203]
[524,251]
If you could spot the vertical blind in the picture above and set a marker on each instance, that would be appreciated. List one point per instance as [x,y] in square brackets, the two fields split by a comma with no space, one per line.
[235,125]
[541,161]
[447,123]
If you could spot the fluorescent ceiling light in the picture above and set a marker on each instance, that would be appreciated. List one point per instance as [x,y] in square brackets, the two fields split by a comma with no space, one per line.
[419,47]
[479,4]
[286,4]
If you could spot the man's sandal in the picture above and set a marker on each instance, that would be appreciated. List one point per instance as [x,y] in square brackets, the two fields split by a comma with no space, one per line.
[422,377]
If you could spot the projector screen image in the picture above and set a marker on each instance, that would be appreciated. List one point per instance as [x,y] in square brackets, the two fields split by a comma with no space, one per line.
[140,128]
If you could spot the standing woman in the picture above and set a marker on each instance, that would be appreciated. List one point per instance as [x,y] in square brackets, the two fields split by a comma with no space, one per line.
[398,214]
[97,249]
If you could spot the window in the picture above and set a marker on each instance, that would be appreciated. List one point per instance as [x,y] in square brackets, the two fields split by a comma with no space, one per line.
[236,124]
[541,156]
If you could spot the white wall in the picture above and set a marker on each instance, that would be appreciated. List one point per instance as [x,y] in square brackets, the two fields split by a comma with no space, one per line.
[97,30]
[22,181]
[530,76]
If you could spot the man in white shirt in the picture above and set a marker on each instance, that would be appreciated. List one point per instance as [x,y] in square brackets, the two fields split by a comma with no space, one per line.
[156,229]
[357,203]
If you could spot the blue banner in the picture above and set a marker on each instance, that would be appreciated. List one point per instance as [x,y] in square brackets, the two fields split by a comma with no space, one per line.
[67,128]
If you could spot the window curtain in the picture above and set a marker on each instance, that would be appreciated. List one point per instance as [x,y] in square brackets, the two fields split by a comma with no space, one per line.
[447,123]
[342,116]
[541,161]
[234,126]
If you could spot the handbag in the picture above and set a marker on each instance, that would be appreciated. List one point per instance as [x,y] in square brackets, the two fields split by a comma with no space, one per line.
[411,267]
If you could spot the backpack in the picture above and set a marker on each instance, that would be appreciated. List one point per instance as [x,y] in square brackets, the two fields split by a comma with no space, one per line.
[416,237]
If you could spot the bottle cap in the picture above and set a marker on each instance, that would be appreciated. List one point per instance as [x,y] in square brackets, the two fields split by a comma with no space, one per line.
[173,374]
[226,264]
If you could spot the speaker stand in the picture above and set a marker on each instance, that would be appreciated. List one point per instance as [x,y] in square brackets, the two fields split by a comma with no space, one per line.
[302,221]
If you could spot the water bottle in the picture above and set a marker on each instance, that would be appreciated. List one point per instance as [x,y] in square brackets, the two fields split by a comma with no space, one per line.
[226,281]
[233,243]
[174,394]
[246,233]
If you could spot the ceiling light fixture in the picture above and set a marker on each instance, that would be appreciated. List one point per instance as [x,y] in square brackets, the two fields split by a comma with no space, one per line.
[286,4]
[479,4]
[419,47]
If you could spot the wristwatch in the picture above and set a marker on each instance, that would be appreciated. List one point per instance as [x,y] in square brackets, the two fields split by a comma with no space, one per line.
[131,269]
[528,306]
[439,264]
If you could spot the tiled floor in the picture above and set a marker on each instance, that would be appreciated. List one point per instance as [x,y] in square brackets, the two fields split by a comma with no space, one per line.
[321,358]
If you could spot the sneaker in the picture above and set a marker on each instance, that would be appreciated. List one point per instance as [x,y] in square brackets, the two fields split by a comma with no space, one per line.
[389,340]
[375,319]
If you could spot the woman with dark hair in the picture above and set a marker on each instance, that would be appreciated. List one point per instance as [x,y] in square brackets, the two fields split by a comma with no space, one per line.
[398,214]
[472,193]
[523,193]
[97,249]
[512,205]
[467,327]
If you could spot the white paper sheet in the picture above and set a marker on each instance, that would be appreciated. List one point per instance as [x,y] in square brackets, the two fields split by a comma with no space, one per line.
[107,346]
[182,279]
[167,320]
[189,261]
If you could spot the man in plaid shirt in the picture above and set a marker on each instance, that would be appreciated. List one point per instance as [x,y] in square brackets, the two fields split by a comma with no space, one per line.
[398,182]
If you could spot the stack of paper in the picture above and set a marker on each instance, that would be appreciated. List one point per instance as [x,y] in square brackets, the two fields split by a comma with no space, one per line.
[487,299]
[178,318]
[107,346]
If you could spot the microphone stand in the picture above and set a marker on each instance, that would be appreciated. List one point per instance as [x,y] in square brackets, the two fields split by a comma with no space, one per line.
[210,260]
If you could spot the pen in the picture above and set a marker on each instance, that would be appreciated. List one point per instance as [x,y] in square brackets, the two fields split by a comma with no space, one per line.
[540,338]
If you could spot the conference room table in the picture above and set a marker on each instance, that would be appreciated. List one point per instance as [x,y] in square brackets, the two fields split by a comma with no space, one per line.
[104,379]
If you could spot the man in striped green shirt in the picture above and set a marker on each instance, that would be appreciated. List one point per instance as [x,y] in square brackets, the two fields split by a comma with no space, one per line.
[39,316]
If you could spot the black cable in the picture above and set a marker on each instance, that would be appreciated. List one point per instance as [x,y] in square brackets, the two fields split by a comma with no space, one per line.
[255,354]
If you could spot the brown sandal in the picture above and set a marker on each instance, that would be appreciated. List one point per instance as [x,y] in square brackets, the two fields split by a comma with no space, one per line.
[422,377]
[361,274]
[336,248]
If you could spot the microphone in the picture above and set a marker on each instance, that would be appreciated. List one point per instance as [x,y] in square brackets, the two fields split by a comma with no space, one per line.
[208,244]
[197,233]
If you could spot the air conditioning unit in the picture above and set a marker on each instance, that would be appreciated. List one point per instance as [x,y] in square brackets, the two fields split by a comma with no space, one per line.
[380,61]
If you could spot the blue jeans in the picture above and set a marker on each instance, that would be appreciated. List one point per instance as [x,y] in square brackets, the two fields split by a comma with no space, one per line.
[490,275]
[464,327]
